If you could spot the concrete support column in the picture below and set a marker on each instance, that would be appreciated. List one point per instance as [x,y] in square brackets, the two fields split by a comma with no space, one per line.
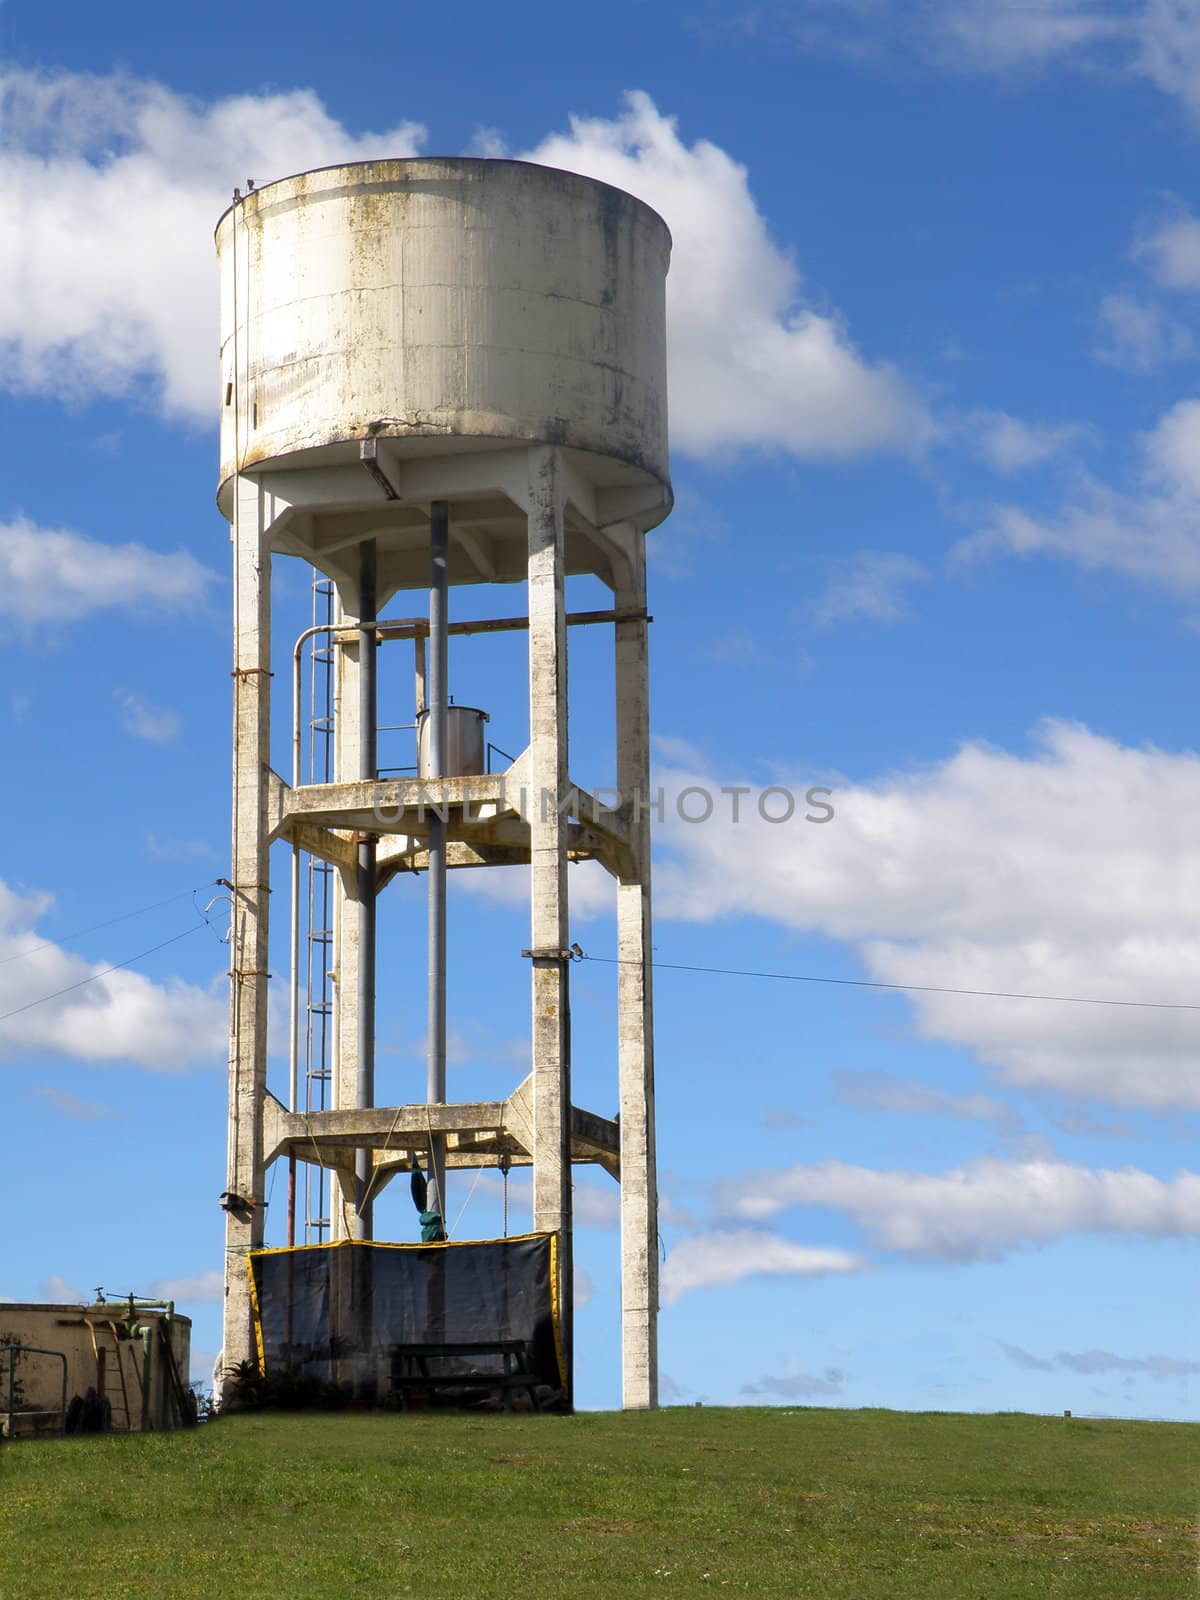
[639,1185]
[248,944]
[344,1221]
[548,868]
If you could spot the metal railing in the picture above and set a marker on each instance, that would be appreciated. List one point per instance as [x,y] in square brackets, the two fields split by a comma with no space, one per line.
[14,1352]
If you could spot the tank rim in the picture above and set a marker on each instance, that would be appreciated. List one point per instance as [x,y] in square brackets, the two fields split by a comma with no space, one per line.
[462,161]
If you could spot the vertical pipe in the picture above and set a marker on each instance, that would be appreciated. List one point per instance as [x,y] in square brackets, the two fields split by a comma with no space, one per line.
[147,1332]
[366,885]
[419,673]
[294,1037]
[294,991]
[439,542]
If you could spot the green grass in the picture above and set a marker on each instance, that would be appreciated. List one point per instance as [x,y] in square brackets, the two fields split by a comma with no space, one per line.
[872,1504]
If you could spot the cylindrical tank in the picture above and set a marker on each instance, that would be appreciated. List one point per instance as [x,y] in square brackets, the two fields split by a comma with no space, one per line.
[449,304]
[464,749]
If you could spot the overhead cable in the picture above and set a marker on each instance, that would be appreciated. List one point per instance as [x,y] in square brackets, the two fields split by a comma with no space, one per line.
[907,988]
[126,916]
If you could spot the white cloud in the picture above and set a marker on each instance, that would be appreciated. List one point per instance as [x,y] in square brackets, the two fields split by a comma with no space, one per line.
[797,1385]
[1009,445]
[51,573]
[589,887]
[206,1287]
[780,1119]
[121,1016]
[57,1291]
[979,1211]
[595,1207]
[1172,253]
[1139,336]
[1072,870]
[585,1289]
[708,1260]
[1168,48]
[868,585]
[157,724]
[881,1092]
[752,362]
[489,143]
[1092,1361]
[1078,1122]
[163,848]
[1001,36]
[1173,449]
[1156,41]
[1151,532]
[201,1365]
[694,526]
[992,37]
[130,177]
[70,1105]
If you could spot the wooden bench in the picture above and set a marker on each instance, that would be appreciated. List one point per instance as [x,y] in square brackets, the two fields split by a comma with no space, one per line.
[410,1368]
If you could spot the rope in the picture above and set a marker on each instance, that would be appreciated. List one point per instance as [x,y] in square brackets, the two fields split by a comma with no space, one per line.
[441,1199]
[370,1189]
[467,1202]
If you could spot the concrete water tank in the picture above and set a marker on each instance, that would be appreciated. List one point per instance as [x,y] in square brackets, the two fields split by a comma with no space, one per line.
[439,307]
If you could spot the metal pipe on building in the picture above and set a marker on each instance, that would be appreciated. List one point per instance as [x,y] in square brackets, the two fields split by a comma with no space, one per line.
[437,700]
[366,888]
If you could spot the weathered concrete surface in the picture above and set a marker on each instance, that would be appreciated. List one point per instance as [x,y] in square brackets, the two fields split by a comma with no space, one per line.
[548,867]
[639,1184]
[490,334]
[99,1355]
[446,298]
[249,913]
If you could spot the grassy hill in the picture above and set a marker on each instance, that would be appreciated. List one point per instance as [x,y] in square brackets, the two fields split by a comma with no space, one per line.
[874,1505]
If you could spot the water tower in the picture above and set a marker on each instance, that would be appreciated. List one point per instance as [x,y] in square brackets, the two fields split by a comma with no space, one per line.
[437,372]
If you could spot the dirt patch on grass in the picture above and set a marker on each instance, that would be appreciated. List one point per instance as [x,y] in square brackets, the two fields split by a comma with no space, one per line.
[603,1525]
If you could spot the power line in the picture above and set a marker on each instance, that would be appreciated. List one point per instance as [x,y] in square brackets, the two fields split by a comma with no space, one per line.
[67,938]
[117,967]
[907,988]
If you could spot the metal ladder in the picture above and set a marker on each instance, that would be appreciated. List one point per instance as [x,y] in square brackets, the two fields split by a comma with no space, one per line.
[318,1041]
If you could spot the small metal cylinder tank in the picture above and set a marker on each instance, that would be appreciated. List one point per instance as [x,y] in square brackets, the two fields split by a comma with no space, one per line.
[447,304]
[465,755]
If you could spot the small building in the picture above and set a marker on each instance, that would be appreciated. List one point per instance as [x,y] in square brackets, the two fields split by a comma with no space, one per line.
[115,1365]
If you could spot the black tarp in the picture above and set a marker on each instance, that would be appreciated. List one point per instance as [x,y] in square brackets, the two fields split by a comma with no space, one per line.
[349,1313]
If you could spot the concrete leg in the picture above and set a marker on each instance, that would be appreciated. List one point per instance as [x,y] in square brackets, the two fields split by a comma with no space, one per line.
[249,914]
[344,1220]
[548,868]
[639,1186]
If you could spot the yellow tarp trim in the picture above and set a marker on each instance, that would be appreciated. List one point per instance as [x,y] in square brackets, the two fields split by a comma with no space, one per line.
[554,1312]
[258,1338]
[379,1244]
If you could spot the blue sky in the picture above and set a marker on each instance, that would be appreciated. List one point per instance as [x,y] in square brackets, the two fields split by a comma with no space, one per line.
[935,316]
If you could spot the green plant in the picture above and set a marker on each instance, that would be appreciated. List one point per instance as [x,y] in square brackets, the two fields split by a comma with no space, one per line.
[290,1390]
